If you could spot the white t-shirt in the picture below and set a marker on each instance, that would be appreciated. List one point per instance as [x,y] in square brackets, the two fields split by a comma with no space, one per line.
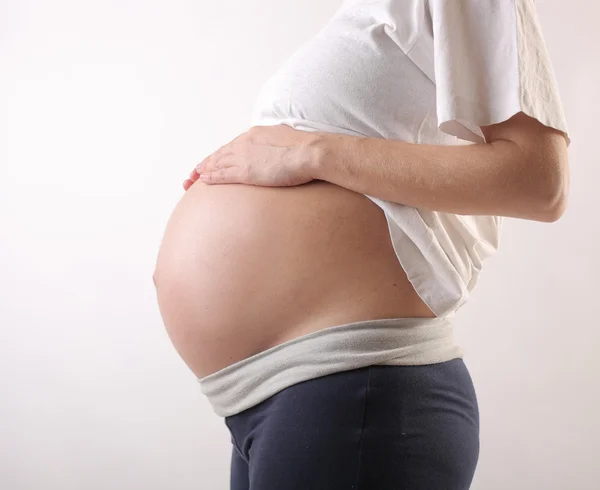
[421,71]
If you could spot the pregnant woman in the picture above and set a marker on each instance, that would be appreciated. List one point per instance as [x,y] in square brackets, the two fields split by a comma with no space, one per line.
[309,274]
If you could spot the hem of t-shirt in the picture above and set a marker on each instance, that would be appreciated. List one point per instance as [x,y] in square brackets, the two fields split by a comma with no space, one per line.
[430,287]
[465,119]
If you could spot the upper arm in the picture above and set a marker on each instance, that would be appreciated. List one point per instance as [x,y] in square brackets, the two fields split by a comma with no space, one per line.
[543,153]
[495,84]
[526,131]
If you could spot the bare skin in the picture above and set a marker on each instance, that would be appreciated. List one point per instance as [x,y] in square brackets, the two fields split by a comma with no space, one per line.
[243,268]
[246,267]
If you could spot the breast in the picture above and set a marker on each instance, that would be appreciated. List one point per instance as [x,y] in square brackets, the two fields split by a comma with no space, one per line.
[242,268]
[353,77]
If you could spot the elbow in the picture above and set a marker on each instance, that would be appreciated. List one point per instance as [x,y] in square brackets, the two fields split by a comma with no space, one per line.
[554,209]
[538,156]
[554,196]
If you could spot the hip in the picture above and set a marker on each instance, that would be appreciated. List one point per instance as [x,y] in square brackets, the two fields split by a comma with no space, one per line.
[382,427]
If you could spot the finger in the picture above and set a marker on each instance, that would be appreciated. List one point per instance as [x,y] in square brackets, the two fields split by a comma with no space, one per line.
[187,184]
[210,161]
[228,175]
[194,176]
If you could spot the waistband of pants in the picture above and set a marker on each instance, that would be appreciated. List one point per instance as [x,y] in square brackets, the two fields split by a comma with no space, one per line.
[394,341]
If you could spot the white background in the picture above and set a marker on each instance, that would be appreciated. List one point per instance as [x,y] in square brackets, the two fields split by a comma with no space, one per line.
[105,107]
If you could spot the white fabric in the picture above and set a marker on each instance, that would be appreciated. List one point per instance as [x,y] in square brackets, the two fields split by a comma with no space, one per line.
[421,71]
[382,342]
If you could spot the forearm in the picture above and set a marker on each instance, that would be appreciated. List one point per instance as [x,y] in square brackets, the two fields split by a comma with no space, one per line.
[485,179]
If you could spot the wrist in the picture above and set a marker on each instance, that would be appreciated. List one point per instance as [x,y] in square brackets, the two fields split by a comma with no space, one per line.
[320,148]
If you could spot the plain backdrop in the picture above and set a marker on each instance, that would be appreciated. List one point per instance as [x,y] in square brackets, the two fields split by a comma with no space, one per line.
[105,107]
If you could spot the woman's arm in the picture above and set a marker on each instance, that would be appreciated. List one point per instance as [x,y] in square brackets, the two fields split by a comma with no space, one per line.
[521,172]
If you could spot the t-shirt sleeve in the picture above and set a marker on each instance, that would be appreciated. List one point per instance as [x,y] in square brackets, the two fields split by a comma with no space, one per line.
[490,63]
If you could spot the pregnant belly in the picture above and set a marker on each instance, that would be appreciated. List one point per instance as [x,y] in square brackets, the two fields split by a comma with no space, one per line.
[244,268]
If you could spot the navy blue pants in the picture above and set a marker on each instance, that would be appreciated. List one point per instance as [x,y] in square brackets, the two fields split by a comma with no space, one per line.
[373,428]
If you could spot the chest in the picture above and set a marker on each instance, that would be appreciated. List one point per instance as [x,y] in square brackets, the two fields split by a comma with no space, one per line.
[356,73]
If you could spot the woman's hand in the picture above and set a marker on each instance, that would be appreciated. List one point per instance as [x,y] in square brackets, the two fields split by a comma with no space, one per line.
[269,156]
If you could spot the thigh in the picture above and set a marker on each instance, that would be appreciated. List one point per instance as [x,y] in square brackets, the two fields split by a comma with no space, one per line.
[239,471]
[307,436]
[384,427]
